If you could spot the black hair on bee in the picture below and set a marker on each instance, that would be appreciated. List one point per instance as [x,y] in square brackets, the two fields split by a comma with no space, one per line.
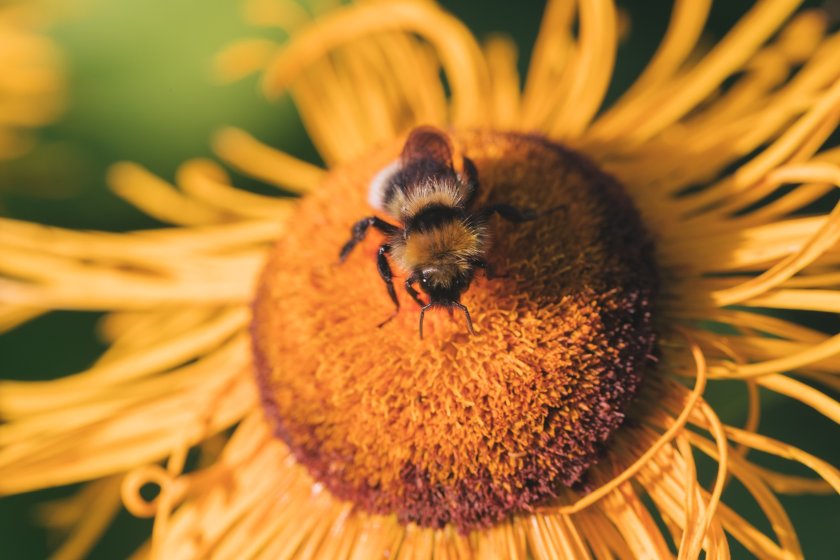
[439,242]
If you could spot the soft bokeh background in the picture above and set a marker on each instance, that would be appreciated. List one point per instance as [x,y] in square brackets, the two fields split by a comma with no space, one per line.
[141,89]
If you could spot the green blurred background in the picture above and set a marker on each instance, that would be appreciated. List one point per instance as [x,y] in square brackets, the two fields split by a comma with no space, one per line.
[141,89]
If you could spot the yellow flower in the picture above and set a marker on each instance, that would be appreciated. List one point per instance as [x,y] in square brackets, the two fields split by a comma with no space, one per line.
[31,77]
[353,441]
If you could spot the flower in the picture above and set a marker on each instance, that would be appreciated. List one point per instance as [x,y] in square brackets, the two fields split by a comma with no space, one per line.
[719,152]
[31,77]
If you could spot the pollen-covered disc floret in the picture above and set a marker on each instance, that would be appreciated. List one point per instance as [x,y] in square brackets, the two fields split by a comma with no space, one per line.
[456,428]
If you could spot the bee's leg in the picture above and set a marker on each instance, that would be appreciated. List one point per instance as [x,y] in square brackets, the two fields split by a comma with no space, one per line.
[385,273]
[509,213]
[409,287]
[360,230]
[514,214]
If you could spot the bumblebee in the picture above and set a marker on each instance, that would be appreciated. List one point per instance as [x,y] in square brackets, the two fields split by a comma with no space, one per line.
[439,242]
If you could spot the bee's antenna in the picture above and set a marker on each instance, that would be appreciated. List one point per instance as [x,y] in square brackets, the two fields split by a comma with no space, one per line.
[422,313]
[466,311]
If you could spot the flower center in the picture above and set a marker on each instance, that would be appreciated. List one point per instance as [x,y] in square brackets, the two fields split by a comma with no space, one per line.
[459,428]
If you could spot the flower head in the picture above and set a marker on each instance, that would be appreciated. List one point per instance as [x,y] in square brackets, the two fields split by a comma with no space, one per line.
[568,425]
[454,428]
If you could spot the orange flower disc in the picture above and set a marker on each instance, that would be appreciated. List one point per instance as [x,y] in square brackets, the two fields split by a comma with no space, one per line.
[456,428]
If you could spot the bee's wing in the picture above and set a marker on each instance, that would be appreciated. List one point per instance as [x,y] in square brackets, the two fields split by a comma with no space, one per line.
[428,143]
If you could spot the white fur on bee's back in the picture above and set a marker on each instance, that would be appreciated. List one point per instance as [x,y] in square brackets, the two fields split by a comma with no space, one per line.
[380,183]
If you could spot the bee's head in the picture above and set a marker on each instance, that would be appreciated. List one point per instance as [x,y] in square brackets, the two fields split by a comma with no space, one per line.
[444,284]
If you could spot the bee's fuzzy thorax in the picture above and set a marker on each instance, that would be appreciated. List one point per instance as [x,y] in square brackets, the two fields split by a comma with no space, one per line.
[448,246]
